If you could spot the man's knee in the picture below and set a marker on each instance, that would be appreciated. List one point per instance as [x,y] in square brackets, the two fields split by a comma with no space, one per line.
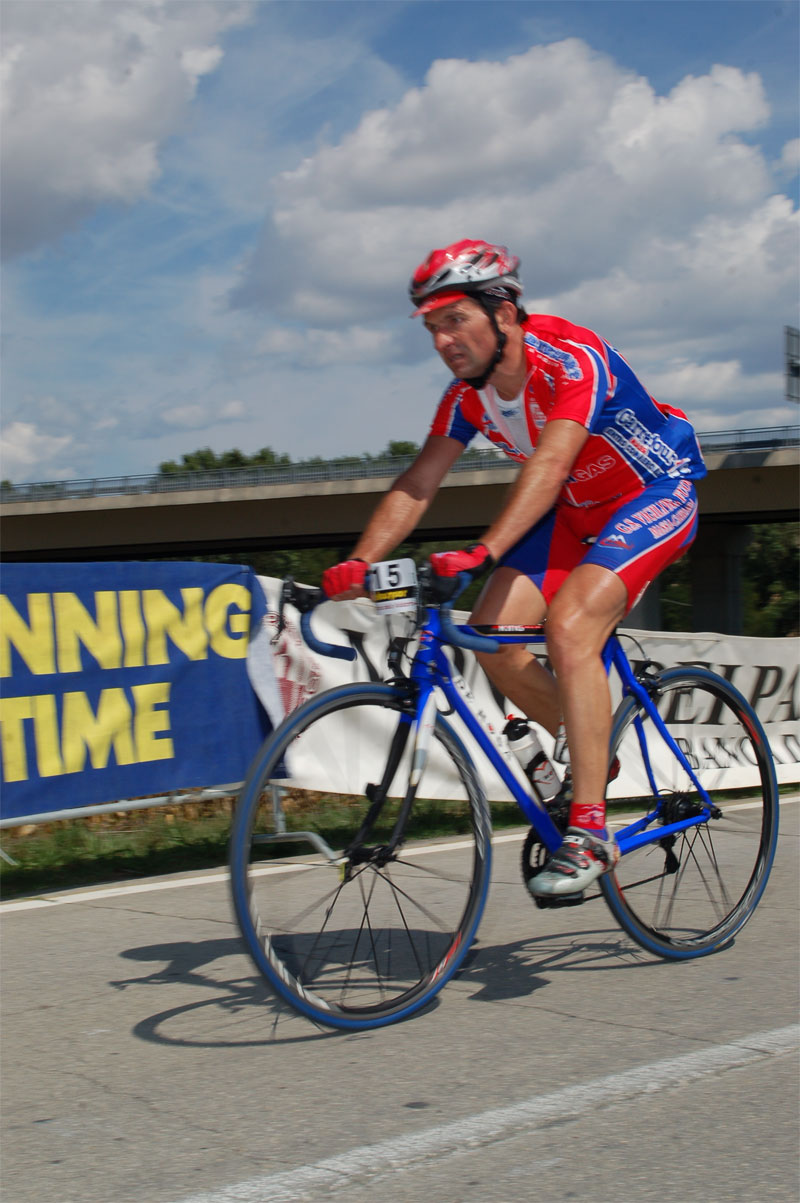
[510,658]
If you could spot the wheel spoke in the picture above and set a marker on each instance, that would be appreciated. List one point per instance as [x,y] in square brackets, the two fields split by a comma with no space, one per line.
[719,870]
[367,947]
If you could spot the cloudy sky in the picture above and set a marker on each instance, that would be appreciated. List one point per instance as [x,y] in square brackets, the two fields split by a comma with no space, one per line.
[210,211]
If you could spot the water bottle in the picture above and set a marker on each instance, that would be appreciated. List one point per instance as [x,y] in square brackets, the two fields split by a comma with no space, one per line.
[525,745]
[561,751]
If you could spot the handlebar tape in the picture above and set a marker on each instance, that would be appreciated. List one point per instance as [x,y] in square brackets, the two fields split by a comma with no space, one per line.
[317,645]
[458,636]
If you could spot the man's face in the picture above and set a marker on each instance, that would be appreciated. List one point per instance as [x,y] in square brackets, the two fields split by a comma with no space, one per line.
[463,336]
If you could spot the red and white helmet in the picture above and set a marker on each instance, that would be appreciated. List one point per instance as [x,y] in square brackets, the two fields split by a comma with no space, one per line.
[463,269]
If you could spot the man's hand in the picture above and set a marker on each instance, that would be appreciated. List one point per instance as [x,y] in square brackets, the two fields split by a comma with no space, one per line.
[345,581]
[475,560]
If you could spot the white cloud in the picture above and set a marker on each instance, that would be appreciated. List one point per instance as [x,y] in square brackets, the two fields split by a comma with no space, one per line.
[557,151]
[790,157]
[90,92]
[23,444]
[652,218]
[231,411]
[713,381]
[710,287]
[318,348]
[196,414]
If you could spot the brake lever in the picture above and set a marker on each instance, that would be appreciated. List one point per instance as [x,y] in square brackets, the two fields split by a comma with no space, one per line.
[302,597]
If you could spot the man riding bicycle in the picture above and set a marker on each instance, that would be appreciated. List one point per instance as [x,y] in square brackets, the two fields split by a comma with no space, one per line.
[604,501]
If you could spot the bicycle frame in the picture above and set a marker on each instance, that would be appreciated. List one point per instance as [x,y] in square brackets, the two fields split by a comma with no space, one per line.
[431,669]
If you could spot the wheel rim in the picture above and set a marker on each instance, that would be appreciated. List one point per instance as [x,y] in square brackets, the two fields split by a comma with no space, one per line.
[360,942]
[692,891]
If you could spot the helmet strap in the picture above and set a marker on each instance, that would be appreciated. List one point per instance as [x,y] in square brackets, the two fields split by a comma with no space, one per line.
[479,382]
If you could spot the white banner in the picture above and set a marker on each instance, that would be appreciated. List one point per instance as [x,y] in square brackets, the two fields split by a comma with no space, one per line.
[766,671]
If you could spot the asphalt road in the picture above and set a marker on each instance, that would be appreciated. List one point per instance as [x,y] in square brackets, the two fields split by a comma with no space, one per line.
[144,1062]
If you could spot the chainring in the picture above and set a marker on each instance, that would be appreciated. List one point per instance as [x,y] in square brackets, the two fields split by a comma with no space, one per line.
[534,853]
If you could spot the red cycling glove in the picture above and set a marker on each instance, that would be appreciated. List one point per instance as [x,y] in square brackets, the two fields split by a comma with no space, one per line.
[475,560]
[345,576]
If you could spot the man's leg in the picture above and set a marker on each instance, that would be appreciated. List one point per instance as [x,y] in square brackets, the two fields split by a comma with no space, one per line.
[583,614]
[626,555]
[511,597]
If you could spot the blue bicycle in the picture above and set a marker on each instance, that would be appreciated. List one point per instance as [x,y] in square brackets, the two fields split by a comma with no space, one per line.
[361,841]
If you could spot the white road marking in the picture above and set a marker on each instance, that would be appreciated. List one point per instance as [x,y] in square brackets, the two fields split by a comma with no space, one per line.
[147,887]
[369,1163]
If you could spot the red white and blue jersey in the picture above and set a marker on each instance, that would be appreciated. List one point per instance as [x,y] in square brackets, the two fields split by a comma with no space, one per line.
[574,374]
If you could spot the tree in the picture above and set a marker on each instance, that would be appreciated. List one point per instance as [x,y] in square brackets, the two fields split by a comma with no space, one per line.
[398,447]
[770,574]
[206,460]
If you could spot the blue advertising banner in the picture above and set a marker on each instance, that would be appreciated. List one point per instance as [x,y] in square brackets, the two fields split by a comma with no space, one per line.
[123,680]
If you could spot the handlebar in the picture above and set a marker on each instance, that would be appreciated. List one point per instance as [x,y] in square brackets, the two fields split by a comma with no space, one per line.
[456,635]
[461,638]
[306,598]
[434,590]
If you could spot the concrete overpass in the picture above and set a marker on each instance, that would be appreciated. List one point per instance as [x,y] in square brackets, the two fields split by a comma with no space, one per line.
[754,476]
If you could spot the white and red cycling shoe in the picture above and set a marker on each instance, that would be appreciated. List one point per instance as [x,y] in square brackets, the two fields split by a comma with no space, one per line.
[582,858]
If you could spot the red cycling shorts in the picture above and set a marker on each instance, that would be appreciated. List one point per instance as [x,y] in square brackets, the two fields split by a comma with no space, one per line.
[636,537]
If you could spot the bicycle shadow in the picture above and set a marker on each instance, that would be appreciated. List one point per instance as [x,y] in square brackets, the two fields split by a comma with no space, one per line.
[492,972]
[184,964]
[519,968]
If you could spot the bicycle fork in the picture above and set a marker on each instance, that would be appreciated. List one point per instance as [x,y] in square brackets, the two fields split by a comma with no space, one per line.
[420,720]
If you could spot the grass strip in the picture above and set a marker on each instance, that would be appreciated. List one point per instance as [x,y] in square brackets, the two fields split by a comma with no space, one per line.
[123,846]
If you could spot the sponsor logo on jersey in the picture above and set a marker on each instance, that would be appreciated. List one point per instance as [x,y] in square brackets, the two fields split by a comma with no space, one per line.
[595,468]
[645,441]
[627,526]
[566,361]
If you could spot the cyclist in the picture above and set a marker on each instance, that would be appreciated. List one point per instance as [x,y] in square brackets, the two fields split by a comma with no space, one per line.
[603,502]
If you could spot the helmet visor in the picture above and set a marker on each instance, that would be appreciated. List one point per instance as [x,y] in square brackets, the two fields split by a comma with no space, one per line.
[439,301]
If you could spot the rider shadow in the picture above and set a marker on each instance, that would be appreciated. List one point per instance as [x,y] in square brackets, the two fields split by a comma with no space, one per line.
[184,964]
[248,998]
[178,962]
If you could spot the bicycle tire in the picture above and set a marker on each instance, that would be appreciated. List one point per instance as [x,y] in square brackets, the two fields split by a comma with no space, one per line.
[690,894]
[351,945]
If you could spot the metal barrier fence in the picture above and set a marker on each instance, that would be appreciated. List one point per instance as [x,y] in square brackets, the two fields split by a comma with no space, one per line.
[765,439]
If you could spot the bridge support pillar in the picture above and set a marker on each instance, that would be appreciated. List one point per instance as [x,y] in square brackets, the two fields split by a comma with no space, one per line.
[716,574]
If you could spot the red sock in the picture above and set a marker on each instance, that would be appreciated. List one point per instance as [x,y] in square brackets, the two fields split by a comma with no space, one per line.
[590,816]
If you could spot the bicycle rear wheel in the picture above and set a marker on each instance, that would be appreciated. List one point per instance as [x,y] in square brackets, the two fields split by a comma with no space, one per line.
[689,893]
[351,934]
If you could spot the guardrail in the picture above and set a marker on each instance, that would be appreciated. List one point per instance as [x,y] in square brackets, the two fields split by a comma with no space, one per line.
[765,439]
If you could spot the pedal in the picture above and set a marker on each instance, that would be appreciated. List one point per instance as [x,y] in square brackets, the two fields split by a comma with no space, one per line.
[553,901]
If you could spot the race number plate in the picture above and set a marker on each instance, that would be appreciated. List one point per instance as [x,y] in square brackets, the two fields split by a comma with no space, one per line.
[393,586]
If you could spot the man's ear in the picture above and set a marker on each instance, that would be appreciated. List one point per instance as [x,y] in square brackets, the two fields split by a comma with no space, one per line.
[506,316]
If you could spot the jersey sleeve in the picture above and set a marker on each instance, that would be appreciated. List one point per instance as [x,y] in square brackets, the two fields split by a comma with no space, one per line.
[575,364]
[450,419]
[584,382]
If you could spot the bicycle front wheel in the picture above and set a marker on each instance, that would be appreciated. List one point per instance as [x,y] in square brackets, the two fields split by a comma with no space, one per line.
[351,931]
[688,893]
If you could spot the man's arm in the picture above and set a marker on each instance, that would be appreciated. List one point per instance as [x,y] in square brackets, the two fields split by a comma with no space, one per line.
[401,508]
[538,485]
[395,517]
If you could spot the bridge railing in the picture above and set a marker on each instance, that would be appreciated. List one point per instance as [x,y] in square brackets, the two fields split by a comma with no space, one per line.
[764,439]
